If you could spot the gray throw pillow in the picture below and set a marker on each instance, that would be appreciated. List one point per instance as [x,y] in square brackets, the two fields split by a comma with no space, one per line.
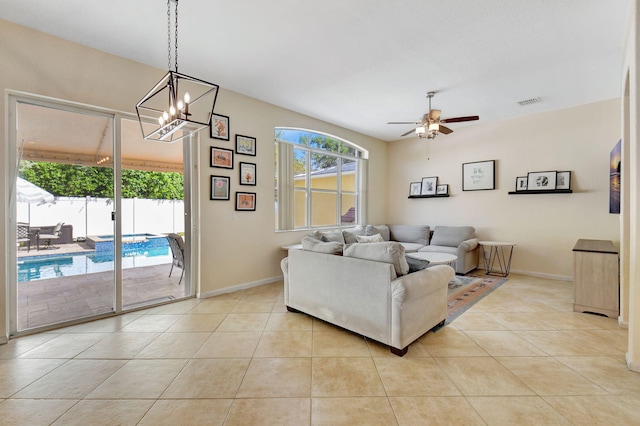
[452,236]
[377,238]
[350,235]
[379,229]
[313,244]
[416,264]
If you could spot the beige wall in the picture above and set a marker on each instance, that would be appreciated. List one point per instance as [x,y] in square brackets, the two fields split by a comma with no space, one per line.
[544,227]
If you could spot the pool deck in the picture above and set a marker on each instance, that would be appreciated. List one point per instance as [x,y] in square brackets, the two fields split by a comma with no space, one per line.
[60,299]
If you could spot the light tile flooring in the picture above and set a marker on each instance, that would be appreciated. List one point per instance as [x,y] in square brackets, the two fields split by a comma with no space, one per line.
[519,356]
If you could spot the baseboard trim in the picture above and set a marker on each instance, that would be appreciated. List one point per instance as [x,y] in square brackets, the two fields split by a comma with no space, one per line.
[633,366]
[242,286]
[542,275]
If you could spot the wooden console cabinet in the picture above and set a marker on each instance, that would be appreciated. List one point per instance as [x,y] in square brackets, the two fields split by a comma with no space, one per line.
[596,278]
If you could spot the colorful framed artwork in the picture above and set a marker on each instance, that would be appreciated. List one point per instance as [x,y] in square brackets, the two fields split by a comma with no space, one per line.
[615,177]
[245,145]
[541,181]
[563,180]
[221,157]
[247,174]
[479,175]
[442,189]
[245,201]
[220,127]
[521,183]
[428,186]
[414,188]
[219,188]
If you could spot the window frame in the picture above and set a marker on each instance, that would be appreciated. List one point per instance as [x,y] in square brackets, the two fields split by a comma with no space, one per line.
[284,166]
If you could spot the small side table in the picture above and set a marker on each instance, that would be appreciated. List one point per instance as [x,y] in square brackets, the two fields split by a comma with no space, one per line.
[501,252]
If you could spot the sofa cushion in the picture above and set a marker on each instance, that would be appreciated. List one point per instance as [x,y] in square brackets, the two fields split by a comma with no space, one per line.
[313,244]
[379,229]
[411,247]
[387,252]
[350,234]
[328,236]
[452,236]
[416,264]
[418,234]
[377,238]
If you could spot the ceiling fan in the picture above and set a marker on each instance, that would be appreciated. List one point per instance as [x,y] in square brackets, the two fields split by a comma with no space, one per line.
[431,123]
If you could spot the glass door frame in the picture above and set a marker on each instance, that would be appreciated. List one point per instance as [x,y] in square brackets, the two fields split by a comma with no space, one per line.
[190,195]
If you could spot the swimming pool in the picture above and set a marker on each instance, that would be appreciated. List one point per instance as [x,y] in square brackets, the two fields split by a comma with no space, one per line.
[129,241]
[34,268]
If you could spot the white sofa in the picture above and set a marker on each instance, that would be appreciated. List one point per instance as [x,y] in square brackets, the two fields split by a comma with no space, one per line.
[366,296]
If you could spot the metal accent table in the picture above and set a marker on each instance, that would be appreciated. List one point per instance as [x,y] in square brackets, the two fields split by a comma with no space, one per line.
[499,251]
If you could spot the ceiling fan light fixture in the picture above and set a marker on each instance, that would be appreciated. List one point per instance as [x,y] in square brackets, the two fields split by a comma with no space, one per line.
[434,127]
[420,131]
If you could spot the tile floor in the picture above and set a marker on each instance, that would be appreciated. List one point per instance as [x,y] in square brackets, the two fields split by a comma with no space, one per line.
[520,356]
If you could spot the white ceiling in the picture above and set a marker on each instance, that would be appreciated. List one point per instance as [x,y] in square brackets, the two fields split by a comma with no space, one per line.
[362,63]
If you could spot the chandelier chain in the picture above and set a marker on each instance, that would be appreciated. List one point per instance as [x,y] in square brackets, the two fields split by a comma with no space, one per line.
[169,33]
[176,36]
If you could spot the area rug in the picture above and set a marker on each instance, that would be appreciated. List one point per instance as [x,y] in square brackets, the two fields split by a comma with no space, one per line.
[467,290]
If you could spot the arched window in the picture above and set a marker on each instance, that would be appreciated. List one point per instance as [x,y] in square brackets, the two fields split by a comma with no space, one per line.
[319,180]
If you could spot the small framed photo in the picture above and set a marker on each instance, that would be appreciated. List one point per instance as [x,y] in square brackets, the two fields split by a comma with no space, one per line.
[245,201]
[563,180]
[521,183]
[245,145]
[221,157]
[479,175]
[220,127]
[414,188]
[219,188]
[429,185]
[541,181]
[442,189]
[247,174]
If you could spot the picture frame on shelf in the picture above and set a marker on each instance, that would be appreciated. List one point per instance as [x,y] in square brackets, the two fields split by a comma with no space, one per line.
[442,189]
[479,175]
[428,185]
[247,173]
[219,188]
[563,180]
[221,157]
[245,201]
[245,145]
[219,127]
[521,183]
[414,188]
[541,181]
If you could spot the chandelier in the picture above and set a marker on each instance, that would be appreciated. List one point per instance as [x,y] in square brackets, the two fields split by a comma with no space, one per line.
[178,104]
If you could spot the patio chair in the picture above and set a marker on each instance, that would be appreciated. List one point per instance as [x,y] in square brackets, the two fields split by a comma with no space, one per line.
[24,235]
[55,235]
[177,251]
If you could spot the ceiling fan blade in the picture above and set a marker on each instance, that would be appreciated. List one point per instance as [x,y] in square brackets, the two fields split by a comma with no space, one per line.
[408,133]
[444,129]
[460,119]
[403,122]
[434,114]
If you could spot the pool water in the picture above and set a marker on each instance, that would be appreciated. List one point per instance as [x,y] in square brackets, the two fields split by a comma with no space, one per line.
[64,265]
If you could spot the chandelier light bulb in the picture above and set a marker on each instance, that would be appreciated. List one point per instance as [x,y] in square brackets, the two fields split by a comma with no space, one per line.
[187,98]
[165,115]
[161,120]
[180,105]
[172,111]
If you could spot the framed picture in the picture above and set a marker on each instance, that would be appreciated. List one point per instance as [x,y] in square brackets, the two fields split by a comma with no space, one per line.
[442,189]
[247,174]
[246,201]
[245,145]
[414,188]
[219,188]
[521,183]
[220,127]
[429,185]
[615,178]
[221,157]
[563,180]
[540,181]
[479,175]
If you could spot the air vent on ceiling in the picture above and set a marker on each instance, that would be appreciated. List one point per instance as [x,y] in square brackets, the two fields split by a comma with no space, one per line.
[530,101]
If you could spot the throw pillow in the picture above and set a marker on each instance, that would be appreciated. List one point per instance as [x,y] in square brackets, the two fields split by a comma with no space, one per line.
[416,264]
[379,229]
[377,238]
[313,244]
[387,252]
[350,234]
[452,236]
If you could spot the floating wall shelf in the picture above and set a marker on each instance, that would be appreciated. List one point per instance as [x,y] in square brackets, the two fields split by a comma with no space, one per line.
[542,191]
[429,196]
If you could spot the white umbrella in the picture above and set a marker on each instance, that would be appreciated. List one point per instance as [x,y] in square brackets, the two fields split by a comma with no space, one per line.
[27,192]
